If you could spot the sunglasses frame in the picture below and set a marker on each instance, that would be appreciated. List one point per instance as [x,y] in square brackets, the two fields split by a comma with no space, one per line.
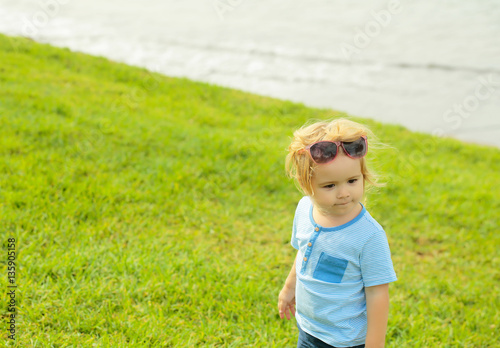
[338,143]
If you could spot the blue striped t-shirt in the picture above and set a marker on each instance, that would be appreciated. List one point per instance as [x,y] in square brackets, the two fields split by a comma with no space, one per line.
[334,266]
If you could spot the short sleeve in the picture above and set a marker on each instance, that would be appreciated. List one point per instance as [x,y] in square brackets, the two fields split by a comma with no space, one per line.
[295,242]
[376,263]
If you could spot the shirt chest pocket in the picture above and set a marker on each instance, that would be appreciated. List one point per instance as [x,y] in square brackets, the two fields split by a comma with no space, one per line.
[330,269]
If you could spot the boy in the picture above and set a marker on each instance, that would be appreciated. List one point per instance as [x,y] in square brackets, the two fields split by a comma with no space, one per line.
[340,279]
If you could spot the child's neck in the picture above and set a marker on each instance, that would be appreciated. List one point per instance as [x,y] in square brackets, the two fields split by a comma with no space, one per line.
[328,221]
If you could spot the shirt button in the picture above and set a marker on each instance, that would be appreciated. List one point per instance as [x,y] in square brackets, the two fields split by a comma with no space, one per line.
[305,258]
[316,229]
[309,244]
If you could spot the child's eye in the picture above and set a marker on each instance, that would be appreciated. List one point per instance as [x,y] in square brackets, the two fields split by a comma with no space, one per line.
[329,186]
[352,181]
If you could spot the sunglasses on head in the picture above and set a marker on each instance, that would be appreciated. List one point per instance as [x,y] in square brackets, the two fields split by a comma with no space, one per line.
[325,151]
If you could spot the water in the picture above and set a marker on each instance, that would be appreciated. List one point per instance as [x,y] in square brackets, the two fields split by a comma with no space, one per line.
[432,66]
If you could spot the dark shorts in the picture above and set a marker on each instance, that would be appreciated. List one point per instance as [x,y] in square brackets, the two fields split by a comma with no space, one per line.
[308,341]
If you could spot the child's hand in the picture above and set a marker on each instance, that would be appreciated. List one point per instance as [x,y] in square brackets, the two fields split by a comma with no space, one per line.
[286,302]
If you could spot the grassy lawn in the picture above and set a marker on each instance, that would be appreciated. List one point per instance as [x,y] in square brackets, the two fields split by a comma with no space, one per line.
[151,211]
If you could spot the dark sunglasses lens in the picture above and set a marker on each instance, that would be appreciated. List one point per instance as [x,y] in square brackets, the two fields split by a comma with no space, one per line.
[356,148]
[323,152]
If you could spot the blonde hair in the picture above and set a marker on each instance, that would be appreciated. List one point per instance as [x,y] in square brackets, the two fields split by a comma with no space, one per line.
[300,166]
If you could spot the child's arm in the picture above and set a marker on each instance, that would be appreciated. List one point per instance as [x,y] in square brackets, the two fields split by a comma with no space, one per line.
[377,307]
[286,299]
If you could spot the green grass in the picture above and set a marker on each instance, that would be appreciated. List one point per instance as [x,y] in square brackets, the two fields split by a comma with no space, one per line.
[155,212]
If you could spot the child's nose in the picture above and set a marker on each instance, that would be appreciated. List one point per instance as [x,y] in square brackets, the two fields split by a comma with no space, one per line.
[342,193]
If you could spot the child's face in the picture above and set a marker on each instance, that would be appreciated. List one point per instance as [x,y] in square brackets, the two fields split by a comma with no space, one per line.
[338,186]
